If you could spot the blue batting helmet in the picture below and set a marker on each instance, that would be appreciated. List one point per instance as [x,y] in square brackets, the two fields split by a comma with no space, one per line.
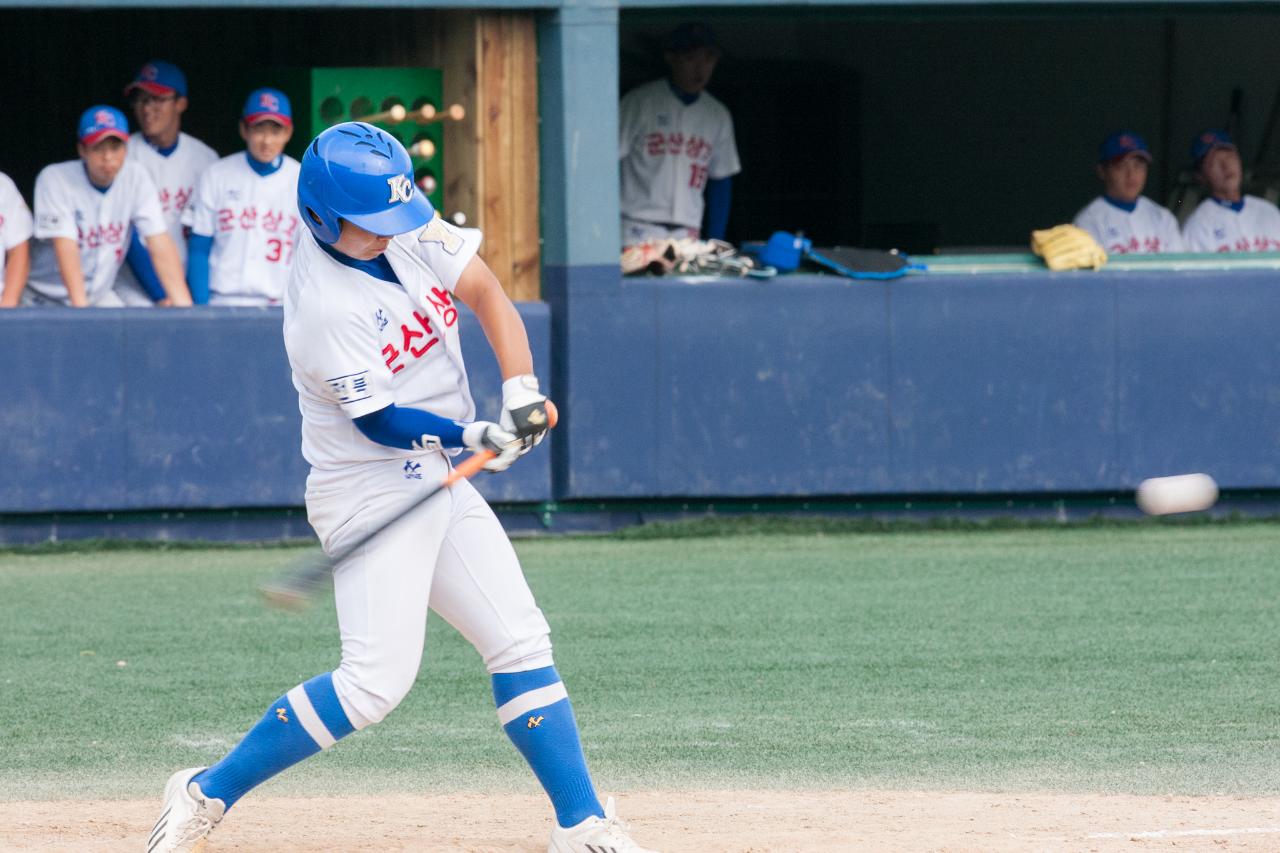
[357,172]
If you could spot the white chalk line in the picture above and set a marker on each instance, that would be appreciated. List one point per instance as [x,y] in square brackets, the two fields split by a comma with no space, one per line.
[1189,833]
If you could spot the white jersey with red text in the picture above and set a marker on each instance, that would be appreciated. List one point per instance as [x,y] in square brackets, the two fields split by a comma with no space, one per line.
[15,219]
[253,220]
[101,223]
[1147,229]
[1218,227]
[357,344]
[669,150]
[175,178]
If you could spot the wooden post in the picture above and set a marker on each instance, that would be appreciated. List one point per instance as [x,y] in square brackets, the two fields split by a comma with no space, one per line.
[490,67]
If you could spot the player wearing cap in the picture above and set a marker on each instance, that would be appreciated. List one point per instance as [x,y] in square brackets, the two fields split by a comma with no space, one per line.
[244,217]
[1122,219]
[371,328]
[15,236]
[676,143]
[86,211]
[173,159]
[1228,220]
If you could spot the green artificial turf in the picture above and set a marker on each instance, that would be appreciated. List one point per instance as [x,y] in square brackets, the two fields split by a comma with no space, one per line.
[1141,658]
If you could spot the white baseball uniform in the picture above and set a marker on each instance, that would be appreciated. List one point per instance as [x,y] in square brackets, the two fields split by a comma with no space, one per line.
[1147,229]
[175,178]
[668,151]
[101,223]
[357,343]
[1217,227]
[253,220]
[15,219]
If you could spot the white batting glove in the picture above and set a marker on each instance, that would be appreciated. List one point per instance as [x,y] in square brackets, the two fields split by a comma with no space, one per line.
[524,411]
[486,435]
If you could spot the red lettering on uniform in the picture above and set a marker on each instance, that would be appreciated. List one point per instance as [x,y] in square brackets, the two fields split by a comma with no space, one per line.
[182,197]
[697,176]
[392,354]
[439,299]
[226,219]
[1151,244]
[655,144]
[1242,244]
[164,199]
[293,224]
[271,221]
[275,249]
[675,142]
[113,233]
[248,217]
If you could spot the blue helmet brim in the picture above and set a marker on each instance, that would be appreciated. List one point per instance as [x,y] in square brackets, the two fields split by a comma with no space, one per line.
[408,216]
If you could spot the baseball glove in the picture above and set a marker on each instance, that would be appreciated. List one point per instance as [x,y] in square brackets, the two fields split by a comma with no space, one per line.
[1068,247]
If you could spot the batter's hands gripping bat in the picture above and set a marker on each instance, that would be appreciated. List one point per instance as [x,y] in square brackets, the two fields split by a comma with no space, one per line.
[294,588]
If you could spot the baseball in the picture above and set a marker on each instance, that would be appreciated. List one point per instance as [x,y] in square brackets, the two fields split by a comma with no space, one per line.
[1182,493]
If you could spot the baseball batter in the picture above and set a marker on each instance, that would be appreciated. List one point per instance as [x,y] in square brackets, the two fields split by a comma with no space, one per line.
[173,159]
[86,211]
[371,329]
[1122,219]
[1228,220]
[676,143]
[244,219]
[15,249]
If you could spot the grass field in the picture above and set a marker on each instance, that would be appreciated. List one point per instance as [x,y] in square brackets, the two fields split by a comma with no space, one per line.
[1136,659]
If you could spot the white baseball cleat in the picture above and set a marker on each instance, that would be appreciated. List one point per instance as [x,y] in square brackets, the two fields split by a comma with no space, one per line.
[187,818]
[596,835]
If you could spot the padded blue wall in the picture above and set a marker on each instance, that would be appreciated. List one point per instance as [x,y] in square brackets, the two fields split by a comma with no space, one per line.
[1071,382]
[145,409]
[1002,383]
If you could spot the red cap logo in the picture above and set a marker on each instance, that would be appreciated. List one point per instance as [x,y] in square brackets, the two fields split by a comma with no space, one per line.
[269,102]
[102,118]
[149,72]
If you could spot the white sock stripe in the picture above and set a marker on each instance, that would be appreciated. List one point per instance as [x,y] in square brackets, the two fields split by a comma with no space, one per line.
[306,714]
[526,702]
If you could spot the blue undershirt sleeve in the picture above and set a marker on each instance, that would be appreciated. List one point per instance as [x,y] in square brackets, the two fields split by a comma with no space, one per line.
[409,429]
[198,248]
[139,260]
[719,194]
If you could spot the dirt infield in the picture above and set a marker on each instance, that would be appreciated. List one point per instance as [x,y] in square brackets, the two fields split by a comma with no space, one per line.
[674,821]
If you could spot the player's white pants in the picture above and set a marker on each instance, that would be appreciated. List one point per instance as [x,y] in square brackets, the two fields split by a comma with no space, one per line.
[450,553]
[637,231]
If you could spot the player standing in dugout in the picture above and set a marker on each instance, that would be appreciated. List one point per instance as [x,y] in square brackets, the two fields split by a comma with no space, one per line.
[173,159]
[371,332]
[675,143]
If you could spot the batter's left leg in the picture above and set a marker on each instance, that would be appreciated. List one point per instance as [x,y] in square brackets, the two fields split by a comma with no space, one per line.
[480,589]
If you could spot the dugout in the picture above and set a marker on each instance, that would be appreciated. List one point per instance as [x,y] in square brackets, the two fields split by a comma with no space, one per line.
[959,125]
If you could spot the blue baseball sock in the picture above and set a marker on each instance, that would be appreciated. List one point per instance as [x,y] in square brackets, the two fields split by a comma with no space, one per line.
[299,724]
[535,713]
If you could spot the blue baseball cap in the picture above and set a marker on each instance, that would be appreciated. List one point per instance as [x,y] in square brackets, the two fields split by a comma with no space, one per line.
[1209,140]
[159,78]
[98,123]
[267,105]
[1122,144]
[690,36]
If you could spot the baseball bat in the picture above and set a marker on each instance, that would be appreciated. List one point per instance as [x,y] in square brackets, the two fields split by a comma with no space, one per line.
[294,588]
[394,115]
[429,114]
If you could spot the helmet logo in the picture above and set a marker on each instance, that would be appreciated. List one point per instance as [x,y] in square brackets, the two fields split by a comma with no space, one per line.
[401,189]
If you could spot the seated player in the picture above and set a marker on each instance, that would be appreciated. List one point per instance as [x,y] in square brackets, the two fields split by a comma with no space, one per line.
[1122,219]
[15,236]
[676,148]
[173,159]
[86,212]
[1228,220]
[244,218]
